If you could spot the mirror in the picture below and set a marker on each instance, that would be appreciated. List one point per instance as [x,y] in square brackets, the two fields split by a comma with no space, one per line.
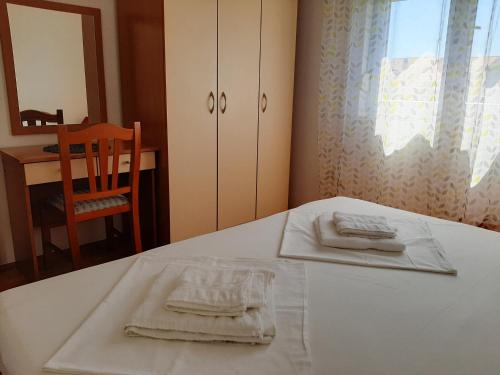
[53,65]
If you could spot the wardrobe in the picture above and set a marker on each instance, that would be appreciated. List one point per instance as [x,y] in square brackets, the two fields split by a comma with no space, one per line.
[212,83]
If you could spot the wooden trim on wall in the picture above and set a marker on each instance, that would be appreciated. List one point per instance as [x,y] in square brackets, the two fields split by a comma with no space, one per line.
[90,61]
[10,71]
[101,78]
[52,5]
[141,40]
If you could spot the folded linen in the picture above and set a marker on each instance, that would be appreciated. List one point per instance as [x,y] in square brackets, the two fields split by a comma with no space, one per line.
[111,352]
[152,320]
[329,236]
[189,336]
[369,226]
[219,291]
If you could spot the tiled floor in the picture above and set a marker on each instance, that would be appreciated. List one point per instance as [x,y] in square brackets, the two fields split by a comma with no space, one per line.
[59,263]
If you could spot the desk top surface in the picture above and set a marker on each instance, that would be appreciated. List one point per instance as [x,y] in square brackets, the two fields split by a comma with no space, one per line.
[35,154]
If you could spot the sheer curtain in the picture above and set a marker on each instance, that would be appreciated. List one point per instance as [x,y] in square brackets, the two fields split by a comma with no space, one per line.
[410,105]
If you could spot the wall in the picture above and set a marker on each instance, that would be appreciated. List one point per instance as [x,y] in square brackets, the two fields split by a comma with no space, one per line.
[94,230]
[304,179]
[57,78]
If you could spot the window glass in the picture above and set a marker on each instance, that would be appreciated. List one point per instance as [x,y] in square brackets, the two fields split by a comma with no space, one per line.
[412,72]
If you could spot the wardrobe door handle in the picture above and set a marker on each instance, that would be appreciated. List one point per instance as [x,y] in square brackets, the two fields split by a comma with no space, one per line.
[223,102]
[264,102]
[211,102]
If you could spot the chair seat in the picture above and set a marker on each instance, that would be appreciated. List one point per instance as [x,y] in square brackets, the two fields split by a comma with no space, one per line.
[90,205]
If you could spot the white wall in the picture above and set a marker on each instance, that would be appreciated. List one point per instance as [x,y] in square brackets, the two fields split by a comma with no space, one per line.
[304,178]
[111,69]
[48,56]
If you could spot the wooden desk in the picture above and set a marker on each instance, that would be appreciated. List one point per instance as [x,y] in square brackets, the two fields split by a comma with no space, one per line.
[30,174]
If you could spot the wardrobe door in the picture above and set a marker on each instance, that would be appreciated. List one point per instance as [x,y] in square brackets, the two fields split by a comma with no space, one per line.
[191,75]
[279,20]
[238,76]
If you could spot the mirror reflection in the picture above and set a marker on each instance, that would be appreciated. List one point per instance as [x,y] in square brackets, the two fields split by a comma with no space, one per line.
[54,58]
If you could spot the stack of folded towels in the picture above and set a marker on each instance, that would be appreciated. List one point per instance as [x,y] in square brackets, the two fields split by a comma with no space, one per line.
[208,304]
[359,232]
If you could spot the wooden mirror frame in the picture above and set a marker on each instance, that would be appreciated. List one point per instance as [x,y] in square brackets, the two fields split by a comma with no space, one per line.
[10,72]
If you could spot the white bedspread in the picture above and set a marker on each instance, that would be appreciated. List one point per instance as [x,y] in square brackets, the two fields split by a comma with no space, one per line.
[423,252]
[362,320]
[100,347]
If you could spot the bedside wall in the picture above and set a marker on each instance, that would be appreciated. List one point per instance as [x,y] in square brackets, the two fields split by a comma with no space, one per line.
[304,180]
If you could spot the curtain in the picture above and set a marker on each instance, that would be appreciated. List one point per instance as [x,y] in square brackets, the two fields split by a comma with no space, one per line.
[409,106]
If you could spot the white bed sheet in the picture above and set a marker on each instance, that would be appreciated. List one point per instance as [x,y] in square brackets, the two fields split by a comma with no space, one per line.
[111,352]
[362,320]
[423,252]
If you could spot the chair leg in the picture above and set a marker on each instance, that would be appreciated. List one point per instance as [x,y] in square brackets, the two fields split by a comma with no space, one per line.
[73,244]
[46,237]
[136,229]
[109,232]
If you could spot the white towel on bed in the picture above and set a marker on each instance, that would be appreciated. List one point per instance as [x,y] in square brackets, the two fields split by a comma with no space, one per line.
[152,320]
[99,346]
[423,252]
[219,291]
[329,236]
[369,226]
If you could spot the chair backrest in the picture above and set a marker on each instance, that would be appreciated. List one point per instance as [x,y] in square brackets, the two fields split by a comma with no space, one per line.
[104,134]
[31,116]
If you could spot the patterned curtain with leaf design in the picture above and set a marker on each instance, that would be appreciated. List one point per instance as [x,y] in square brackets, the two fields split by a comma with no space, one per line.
[410,106]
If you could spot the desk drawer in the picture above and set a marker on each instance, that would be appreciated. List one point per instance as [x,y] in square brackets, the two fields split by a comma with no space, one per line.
[50,171]
[147,162]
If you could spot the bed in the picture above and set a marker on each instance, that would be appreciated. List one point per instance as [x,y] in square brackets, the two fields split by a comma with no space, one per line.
[362,320]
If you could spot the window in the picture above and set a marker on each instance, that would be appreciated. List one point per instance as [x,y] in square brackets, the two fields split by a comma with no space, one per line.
[481,135]
[412,72]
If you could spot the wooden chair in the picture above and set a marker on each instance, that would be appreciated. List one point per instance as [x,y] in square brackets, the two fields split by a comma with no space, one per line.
[104,197]
[31,116]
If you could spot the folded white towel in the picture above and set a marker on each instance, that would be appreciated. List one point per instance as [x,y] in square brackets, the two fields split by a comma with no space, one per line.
[152,320]
[328,236]
[369,226]
[219,291]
